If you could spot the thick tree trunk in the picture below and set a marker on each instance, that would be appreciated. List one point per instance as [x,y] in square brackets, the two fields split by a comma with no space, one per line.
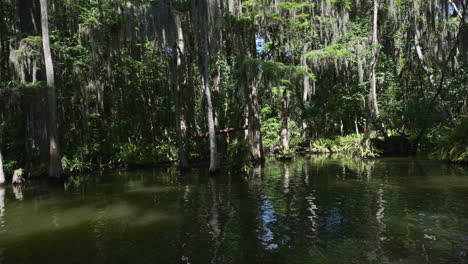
[177,73]
[372,107]
[216,84]
[284,121]
[254,133]
[214,158]
[305,92]
[306,80]
[55,164]
[2,174]
[373,81]
[183,162]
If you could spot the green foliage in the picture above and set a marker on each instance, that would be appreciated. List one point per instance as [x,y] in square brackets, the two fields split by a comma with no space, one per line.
[346,3]
[285,154]
[9,166]
[116,98]
[133,154]
[350,144]
[75,164]
[271,127]
[239,155]
[295,134]
[452,143]
[332,51]
[293,5]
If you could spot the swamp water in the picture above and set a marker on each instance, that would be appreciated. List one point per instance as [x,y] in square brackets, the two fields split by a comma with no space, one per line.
[311,210]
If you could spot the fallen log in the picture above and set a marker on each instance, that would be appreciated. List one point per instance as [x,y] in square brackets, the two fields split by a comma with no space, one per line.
[222,131]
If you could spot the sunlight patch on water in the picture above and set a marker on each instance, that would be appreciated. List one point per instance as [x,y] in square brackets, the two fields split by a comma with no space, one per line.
[50,216]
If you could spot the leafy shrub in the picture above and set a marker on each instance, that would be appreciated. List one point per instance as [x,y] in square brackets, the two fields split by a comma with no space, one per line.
[196,150]
[271,132]
[285,154]
[75,164]
[145,154]
[239,154]
[322,145]
[350,144]
[9,167]
[452,143]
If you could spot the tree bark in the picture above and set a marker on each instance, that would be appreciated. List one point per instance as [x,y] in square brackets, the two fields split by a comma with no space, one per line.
[284,120]
[177,70]
[254,132]
[214,158]
[55,164]
[356,125]
[217,83]
[375,58]
[2,174]
[372,107]
[420,54]
[306,91]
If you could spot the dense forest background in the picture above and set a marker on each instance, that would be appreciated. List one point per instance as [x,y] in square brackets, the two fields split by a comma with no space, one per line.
[147,82]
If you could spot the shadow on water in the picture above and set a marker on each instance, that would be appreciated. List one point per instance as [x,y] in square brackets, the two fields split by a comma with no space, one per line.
[318,209]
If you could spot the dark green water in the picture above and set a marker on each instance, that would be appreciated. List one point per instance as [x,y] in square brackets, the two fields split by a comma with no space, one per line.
[312,210]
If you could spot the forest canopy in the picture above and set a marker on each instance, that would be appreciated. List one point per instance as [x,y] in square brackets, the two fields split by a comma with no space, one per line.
[103,83]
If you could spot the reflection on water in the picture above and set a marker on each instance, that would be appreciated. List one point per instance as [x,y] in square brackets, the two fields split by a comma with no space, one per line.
[18,191]
[2,208]
[314,210]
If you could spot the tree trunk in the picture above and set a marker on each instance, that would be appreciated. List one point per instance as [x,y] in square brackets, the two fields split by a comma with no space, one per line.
[341,127]
[177,71]
[420,54]
[217,83]
[55,164]
[183,162]
[2,174]
[356,125]
[254,132]
[284,121]
[306,91]
[372,107]
[214,158]
[375,58]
